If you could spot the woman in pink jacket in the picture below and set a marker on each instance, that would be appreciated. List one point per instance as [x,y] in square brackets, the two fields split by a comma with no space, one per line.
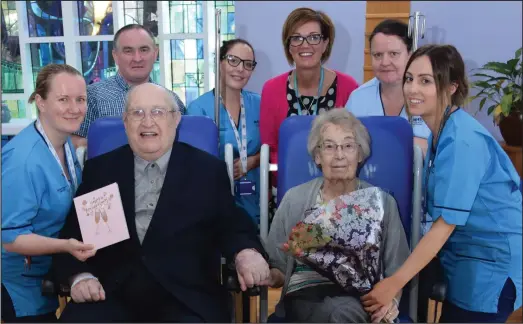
[310,88]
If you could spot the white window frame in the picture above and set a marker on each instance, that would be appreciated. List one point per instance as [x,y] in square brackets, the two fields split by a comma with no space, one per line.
[72,39]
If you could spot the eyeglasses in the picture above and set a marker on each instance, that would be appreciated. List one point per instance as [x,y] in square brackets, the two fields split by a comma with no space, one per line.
[156,114]
[331,148]
[234,60]
[313,39]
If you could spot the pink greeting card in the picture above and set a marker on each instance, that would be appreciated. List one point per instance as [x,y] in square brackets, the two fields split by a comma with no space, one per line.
[101,217]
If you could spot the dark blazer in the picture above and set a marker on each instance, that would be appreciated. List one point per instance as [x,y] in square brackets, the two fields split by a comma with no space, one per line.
[195,221]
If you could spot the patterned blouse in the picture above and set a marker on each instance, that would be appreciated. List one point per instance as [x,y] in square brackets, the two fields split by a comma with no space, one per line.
[307,102]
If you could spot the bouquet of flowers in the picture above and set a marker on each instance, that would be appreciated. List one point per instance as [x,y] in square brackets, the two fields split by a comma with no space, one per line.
[342,239]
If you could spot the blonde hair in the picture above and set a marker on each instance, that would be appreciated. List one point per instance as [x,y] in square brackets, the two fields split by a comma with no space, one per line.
[45,78]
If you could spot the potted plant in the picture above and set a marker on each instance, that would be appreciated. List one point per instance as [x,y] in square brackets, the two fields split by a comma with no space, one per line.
[500,86]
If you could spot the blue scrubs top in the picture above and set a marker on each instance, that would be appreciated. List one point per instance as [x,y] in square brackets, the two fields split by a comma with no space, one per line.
[36,198]
[204,106]
[474,185]
[366,101]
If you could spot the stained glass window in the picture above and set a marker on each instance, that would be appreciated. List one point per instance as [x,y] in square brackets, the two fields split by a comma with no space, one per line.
[97,61]
[12,109]
[143,13]
[46,53]
[187,68]
[12,79]
[95,17]
[44,18]
[228,27]
[186,17]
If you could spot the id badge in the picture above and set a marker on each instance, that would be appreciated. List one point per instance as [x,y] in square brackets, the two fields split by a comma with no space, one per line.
[245,187]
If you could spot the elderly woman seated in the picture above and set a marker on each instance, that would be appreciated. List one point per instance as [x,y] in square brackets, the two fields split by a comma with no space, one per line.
[334,237]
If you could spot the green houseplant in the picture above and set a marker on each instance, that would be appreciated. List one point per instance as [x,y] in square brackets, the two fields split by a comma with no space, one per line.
[501,87]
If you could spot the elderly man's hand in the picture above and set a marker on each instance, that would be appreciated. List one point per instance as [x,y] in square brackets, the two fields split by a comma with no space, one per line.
[87,290]
[252,268]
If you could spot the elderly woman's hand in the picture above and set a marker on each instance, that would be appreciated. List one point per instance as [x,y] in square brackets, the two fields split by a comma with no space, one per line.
[381,295]
[389,311]
[252,268]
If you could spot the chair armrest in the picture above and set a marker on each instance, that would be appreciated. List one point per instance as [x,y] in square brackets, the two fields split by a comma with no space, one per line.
[437,277]
[233,285]
[49,288]
[439,290]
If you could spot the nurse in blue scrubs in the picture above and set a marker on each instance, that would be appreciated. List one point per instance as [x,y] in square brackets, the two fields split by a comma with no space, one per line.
[390,49]
[239,120]
[40,174]
[472,192]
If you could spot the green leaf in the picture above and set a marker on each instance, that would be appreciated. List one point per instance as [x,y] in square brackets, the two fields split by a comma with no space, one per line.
[501,68]
[490,77]
[518,53]
[506,103]
[482,102]
[512,64]
[482,84]
[491,109]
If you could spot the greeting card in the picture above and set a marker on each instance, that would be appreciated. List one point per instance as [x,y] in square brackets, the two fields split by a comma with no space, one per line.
[101,217]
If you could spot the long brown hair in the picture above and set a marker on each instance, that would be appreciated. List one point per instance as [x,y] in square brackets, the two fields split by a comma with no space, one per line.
[448,69]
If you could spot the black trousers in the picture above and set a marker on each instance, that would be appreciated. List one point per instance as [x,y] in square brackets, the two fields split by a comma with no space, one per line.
[9,314]
[140,299]
[451,313]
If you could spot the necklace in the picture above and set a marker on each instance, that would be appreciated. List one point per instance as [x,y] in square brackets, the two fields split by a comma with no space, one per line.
[297,92]
[310,105]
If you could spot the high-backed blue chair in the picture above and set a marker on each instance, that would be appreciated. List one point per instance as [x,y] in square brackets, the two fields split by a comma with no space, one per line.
[107,134]
[394,165]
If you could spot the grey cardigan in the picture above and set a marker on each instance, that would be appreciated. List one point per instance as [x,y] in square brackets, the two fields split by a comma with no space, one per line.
[303,197]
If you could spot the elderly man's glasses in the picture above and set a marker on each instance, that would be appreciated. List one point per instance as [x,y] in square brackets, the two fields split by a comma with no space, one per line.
[313,39]
[156,114]
[331,148]
[234,60]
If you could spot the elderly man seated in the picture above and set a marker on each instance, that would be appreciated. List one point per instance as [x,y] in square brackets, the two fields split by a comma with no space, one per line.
[181,218]
[343,233]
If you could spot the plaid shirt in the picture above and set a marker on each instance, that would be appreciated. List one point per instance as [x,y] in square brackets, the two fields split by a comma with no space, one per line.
[107,98]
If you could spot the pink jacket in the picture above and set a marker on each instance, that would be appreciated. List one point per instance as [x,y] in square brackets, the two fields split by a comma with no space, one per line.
[274,106]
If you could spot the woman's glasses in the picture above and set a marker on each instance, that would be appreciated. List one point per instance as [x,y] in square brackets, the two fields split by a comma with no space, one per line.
[330,148]
[234,60]
[313,39]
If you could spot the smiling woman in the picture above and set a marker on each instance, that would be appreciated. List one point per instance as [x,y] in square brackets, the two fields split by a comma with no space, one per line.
[40,175]
[310,88]
[323,285]
[239,119]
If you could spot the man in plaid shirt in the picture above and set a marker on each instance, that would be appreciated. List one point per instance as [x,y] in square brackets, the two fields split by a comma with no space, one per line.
[135,53]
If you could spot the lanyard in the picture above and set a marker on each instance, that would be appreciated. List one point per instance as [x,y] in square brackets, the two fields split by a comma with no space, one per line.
[68,157]
[430,166]
[242,142]
[320,86]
